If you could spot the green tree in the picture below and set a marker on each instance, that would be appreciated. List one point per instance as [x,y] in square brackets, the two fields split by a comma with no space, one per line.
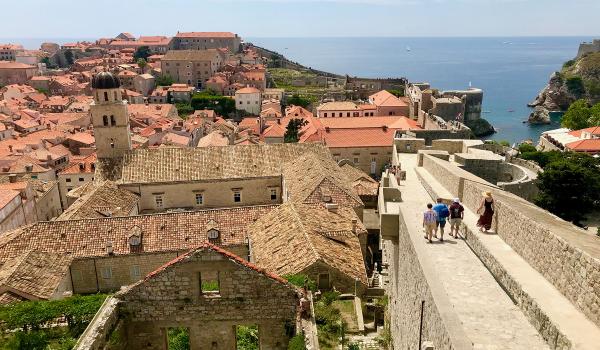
[575,86]
[178,339]
[396,92]
[526,148]
[247,338]
[570,187]
[184,109]
[297,342]
[292,131]
[300,280]
[222,105]
[164,80]
[142,52]
[577,116]
[69,57]
[297,100]
[142,64]
[595,117]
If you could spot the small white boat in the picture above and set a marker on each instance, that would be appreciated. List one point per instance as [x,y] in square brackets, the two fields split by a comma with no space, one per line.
[408,48]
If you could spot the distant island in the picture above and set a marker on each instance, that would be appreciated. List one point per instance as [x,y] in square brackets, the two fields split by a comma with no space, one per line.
[579,78]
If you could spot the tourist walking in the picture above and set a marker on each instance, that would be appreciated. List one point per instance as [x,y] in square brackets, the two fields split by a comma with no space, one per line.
[486,212]
[442,213]
[457,214]
[429,220]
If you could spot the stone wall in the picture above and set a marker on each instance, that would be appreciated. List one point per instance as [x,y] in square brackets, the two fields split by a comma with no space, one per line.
[561,252]
[98,331]
[412,287]
[173,298]
[408,145]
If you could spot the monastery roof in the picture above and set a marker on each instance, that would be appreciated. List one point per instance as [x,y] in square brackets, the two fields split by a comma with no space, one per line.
[34,274]
[295,236]
[159,232]
[205,35]
[310,178]
[368,137]
[196,164]
[191,55]
[392,122]
[102,200]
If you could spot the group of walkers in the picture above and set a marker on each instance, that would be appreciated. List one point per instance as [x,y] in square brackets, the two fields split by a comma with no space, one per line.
[436,216]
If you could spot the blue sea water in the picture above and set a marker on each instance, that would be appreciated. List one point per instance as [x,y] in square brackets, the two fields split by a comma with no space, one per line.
[511,71]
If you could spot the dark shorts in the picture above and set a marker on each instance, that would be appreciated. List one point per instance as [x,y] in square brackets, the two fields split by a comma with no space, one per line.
[441,224]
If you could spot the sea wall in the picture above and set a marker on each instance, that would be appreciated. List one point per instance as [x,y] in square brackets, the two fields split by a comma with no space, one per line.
[564,254]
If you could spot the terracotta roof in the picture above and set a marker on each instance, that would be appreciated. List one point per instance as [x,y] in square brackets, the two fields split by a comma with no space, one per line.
[248,90]
[103,199]
[34,274]
[392,122]
[175,139]
[594,130]
[311,179]
[275,130]
[82,137]
[386,99]
[585,145]
[76,165]
[215,138]
[367,137]
[10,298]
[338,106]
[192,164]
[292,238]
[7,196]
[15,65]
[160,232]
[205,35]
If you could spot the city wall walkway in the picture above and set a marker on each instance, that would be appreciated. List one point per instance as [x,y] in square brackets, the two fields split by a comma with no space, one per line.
[486,314]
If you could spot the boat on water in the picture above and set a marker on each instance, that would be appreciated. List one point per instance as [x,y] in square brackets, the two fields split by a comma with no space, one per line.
[486,112]
[511,111]
[408,48]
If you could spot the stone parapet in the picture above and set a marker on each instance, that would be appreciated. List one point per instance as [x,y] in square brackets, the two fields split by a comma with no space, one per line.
[98,331]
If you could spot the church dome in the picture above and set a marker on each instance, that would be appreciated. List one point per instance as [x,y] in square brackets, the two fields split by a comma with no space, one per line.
[105,80]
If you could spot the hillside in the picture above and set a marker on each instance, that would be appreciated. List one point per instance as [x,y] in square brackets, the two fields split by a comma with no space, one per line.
[579,78]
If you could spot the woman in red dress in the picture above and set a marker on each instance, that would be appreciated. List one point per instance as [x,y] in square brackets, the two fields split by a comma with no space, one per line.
[487,206]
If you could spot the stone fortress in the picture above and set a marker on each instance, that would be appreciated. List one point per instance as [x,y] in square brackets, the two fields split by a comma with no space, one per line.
[531,283]
[588,47]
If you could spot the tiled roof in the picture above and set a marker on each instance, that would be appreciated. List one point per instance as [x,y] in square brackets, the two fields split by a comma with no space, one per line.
[368,137]
[14,65]
[386,99]
[34,274]
[208,163]
[10,298]
[338,106]
[205,35]
[215,138]
[392,122]
[310,178]
[362,183]
[103,199]
[293,237]
[6,196]
[80,165]
[594,130]
[248,90]
[160,232]
[585,145]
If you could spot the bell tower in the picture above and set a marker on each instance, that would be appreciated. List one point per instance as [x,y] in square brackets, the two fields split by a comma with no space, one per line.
[109,117]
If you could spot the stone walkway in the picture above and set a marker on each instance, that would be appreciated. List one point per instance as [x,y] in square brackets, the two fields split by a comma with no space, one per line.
[488,316]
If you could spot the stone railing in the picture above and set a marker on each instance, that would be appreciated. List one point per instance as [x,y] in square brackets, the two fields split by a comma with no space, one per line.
[98,331]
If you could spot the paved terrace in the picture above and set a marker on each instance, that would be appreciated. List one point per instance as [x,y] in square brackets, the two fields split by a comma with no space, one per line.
[487,315]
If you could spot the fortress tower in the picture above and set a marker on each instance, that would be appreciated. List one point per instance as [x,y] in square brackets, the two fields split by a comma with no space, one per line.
[109,117]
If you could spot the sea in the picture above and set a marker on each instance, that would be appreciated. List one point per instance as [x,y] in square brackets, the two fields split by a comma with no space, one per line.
[510,70]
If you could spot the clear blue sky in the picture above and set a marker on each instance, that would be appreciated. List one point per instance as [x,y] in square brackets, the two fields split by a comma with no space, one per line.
[300,18]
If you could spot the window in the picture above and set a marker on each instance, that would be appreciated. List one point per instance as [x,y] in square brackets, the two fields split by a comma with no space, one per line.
[136,273]
[105,95]
[209,282]
[113,122]
[237,196]
[273,194]
[355,160]
[81,179]
[158,199]
[105,120]
[106,272]
[68,180]
[340,114]
[325,115]
[348,114]
[199,198]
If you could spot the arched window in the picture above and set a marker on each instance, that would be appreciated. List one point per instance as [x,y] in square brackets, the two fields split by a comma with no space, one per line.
[113,122]
[105,95]
[105,120]
[115,95]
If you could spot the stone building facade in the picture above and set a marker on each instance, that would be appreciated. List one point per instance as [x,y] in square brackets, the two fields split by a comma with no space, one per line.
[209,292]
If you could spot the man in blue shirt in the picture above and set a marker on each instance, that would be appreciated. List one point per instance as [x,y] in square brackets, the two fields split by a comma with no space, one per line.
[442,213]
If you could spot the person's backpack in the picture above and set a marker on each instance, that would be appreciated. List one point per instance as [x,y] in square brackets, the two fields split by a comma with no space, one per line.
[444,212]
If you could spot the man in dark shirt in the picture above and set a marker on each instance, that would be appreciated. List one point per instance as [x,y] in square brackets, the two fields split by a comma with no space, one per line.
[457,213]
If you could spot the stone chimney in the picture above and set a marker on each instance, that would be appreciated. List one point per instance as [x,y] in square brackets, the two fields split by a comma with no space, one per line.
[12,178]
[332,207]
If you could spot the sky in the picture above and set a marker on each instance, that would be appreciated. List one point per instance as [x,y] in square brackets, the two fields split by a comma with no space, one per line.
[300,18]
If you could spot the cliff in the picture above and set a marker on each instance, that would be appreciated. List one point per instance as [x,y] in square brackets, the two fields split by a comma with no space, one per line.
[578,79]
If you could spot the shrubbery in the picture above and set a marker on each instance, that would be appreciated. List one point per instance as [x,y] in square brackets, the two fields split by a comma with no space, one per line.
[300,281]
[222,105]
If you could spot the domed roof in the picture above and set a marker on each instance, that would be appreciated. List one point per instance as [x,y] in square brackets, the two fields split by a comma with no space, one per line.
[105,80]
